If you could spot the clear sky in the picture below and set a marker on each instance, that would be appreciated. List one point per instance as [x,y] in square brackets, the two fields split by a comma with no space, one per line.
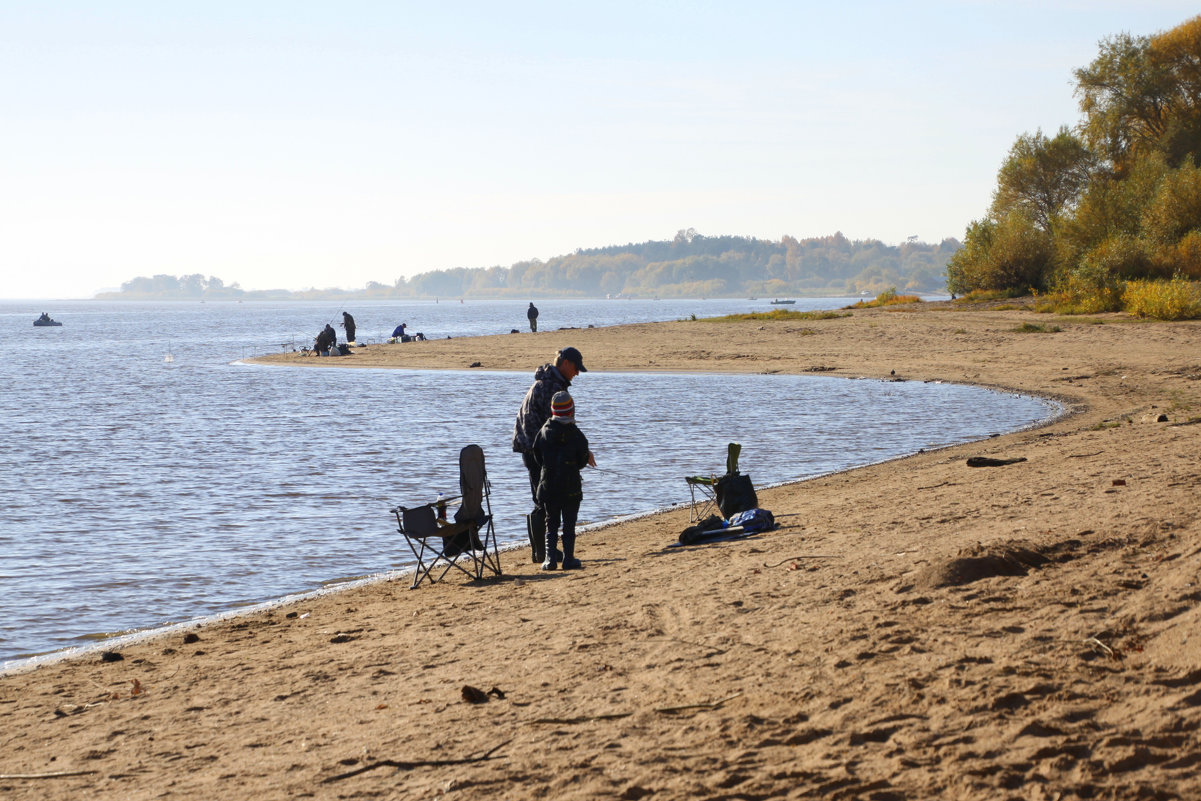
[294,144]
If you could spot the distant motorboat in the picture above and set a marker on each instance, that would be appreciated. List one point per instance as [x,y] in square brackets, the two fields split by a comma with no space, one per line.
[45,320]
[778,302]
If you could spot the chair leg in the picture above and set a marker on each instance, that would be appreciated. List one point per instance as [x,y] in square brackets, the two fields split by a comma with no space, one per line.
[421,571]
[487,560]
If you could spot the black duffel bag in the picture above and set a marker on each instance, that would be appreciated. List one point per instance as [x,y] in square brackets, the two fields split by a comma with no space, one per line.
[735,494]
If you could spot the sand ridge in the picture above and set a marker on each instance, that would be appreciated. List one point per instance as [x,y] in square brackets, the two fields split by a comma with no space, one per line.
[915,629]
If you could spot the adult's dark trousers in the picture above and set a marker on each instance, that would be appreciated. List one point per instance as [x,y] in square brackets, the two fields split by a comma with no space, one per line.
[563,515]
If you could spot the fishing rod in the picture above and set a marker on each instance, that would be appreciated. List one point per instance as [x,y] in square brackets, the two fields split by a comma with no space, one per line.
[623,475]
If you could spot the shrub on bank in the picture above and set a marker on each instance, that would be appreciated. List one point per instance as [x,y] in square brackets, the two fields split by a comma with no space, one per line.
[1174,299]
[888,297]
[780,314]
[1088,290]
[990,295]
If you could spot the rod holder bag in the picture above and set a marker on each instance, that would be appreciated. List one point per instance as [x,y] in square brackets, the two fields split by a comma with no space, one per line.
[735,494]
[535,524]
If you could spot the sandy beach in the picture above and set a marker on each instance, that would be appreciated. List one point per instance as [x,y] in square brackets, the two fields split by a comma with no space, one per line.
[915,629]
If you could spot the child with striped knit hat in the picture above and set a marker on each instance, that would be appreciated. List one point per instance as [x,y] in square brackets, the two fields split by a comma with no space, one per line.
[561,451]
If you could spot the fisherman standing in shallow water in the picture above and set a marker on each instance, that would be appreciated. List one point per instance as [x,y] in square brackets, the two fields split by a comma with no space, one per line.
[532,314]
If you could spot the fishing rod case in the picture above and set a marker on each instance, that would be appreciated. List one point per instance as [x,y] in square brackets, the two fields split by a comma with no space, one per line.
[735,493]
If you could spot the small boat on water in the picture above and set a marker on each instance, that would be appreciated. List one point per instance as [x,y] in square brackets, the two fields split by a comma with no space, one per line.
[45,320]
[778,302]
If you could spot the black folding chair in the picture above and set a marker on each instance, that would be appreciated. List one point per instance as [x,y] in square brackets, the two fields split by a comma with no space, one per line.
[476,509]
[462,545]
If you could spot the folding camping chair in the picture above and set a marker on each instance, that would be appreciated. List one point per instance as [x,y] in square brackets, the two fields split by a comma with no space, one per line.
[702,490]
[476,508]
[461,544]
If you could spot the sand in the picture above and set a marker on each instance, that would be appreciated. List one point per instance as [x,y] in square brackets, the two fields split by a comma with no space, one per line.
[916,629]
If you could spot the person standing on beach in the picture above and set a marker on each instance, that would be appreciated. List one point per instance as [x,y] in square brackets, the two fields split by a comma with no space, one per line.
[561,452]
[535,407]
[532,314]
[348,324]
[533,414]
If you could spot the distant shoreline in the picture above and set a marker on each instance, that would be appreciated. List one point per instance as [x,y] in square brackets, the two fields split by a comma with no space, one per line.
[523,298]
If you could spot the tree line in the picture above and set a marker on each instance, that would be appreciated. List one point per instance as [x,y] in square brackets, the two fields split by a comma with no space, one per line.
[1113,199]
[688,265]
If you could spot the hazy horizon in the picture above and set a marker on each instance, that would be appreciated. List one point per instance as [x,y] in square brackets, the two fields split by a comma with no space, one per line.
[295,146]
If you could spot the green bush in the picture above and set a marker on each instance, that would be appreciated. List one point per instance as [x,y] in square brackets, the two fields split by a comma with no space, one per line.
[1010,253]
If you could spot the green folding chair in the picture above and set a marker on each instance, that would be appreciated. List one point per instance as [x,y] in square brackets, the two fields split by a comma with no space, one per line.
[702,490]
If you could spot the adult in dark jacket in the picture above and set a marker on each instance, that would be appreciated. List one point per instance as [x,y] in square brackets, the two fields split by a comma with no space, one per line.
[535,407]
[561,452]
[534,412]
[532,314]
[348,324]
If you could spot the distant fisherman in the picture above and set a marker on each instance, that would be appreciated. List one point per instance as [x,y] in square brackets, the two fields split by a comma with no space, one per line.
[532,314]
[327,339]
[348,324]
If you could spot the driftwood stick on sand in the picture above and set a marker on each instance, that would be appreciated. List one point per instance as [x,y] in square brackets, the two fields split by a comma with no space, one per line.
[583,718]
[418,763]
[802,556]
[616,715]
[57,775]
[988,461]
[709,705]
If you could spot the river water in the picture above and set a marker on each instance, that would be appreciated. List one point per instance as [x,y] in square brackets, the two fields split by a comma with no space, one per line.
[149,478]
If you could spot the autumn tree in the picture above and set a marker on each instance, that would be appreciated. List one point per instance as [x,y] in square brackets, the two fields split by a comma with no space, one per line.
[1142,94]
[1043,177]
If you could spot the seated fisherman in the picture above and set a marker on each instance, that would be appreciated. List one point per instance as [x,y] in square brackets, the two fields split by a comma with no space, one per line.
[399,335]
[327,339]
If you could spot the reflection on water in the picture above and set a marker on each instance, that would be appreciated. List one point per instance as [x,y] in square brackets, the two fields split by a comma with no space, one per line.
[141,491]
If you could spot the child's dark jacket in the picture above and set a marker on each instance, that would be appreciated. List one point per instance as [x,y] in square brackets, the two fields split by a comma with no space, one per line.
[561,450]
